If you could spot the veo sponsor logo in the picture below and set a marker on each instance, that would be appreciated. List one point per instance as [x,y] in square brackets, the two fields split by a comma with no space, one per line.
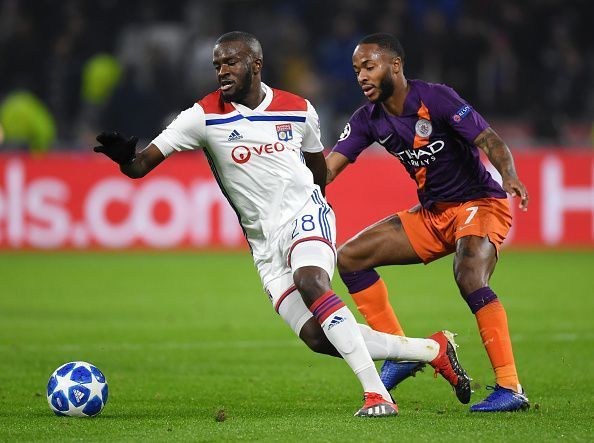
[241,154]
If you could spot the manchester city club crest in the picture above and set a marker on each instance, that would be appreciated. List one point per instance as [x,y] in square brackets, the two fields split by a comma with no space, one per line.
[423,128]
[284,132]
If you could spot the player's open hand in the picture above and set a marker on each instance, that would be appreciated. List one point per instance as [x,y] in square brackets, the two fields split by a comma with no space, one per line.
[514,187]
[117,147]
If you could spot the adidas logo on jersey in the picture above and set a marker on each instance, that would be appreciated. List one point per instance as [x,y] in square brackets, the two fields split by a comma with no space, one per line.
[235,135]
[335,321]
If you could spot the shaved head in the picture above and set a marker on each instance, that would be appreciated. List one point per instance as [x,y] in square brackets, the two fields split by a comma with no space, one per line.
[251,42]
[386,42]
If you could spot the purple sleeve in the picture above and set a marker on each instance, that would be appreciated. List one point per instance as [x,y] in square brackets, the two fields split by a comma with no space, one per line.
[457,113]
[355,137]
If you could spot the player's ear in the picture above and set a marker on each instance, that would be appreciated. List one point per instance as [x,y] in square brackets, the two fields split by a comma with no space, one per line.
[396,65]
[257,66]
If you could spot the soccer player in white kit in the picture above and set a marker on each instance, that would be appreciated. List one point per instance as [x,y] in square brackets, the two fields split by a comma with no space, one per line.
[263,146]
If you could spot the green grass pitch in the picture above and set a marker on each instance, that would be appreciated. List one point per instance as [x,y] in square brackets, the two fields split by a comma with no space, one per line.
[193,351]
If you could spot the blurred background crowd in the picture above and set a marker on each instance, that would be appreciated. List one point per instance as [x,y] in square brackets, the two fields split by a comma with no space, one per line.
[72,68]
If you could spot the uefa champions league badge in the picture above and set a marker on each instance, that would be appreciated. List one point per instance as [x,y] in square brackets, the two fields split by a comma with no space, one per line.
[284,132]
[345,132]
[423,128]
[461,113]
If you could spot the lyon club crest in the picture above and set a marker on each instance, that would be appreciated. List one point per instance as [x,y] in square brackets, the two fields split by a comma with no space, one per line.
[284,132]
[423,128]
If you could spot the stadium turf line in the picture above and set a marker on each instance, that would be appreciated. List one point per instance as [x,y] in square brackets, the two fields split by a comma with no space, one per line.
[194,352]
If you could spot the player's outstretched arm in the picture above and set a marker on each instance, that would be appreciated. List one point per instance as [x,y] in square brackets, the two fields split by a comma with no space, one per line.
[122,150]
[144,162]
[335,164]
[317,165]
[500,156]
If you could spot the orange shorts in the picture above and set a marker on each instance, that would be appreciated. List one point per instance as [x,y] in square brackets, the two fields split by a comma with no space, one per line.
[433,233]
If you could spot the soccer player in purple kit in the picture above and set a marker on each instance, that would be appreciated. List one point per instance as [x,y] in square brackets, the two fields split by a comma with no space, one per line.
[435,135]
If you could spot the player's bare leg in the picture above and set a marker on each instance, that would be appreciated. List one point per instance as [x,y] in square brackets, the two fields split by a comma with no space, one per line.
[312,335]
[474,263]
[383,243]
[340,327]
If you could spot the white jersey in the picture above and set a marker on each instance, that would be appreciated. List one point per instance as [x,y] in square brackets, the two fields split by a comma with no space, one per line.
[255,156]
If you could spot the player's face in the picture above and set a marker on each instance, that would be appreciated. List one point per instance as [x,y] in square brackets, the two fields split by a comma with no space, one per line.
[234,66]
[374,69]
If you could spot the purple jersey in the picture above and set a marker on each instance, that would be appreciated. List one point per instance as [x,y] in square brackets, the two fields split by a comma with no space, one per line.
[433,139]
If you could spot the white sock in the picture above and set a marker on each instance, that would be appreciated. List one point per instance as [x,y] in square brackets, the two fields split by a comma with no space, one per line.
[341,329]
[383,346]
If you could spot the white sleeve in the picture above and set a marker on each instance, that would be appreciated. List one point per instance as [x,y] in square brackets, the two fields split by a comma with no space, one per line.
[311,139]
[185,133]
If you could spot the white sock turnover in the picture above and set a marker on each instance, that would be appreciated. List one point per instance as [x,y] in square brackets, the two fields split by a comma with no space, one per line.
[383,346]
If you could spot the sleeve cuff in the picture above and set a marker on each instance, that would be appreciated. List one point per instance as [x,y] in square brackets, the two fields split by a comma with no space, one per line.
[163,146]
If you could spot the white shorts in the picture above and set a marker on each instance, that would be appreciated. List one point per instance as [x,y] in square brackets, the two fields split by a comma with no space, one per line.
[308,240]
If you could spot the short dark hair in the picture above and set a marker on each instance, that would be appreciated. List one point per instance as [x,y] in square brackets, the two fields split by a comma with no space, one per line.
[245,37]
[385,41]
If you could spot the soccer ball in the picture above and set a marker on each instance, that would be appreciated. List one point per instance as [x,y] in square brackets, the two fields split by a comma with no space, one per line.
[77,389]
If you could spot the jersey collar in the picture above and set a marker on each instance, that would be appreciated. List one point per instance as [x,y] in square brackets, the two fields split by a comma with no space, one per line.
[244,110]
[410,107]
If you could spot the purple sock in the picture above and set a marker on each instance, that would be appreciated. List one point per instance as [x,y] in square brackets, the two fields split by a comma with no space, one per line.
[359,280]
[480,298]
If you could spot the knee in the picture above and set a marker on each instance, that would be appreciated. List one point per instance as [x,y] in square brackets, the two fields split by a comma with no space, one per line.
[469,277]
[473,264]
[311,282]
